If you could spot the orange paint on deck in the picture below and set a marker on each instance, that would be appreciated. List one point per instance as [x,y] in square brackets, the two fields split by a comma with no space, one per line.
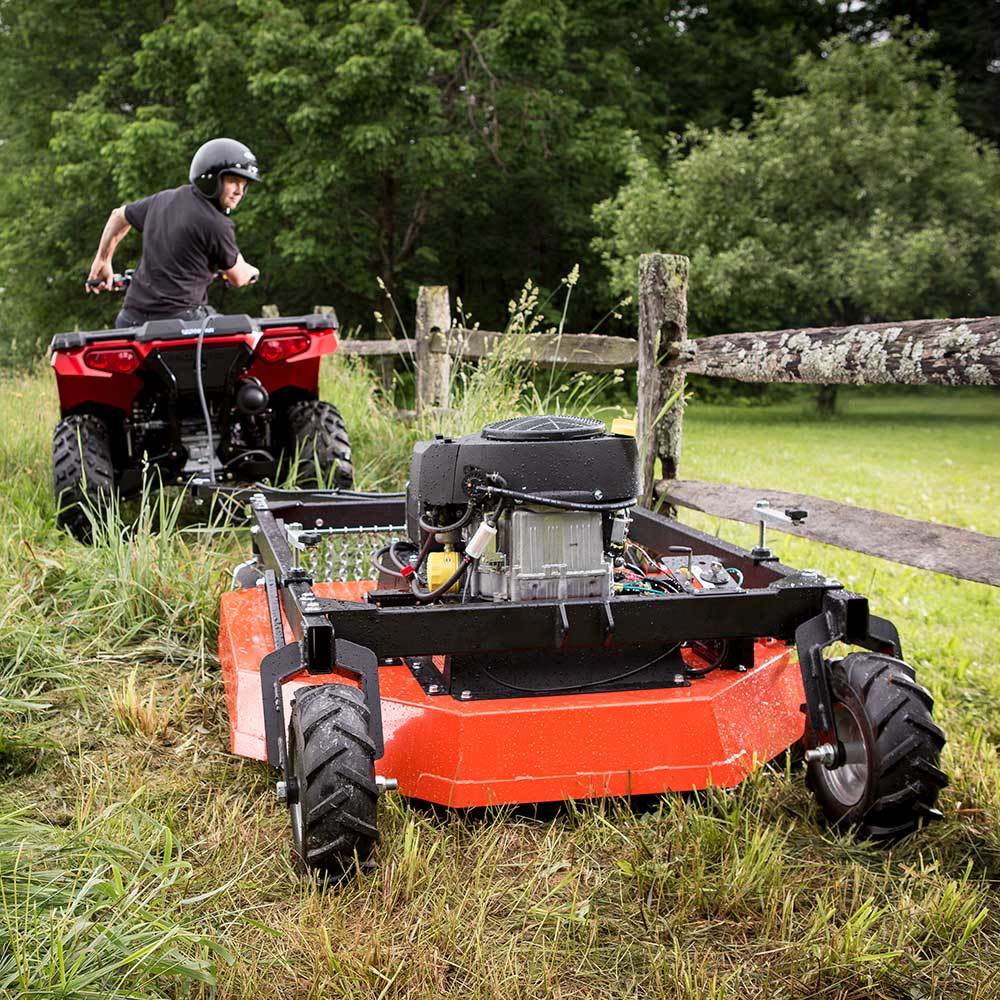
[537,749]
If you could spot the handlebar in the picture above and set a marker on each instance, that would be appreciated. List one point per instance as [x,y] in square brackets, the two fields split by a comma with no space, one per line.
[119,282]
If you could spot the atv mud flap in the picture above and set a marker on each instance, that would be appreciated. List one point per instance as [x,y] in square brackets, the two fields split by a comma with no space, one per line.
[537,749]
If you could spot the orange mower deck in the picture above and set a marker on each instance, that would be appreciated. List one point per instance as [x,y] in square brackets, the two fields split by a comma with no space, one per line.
[545,748]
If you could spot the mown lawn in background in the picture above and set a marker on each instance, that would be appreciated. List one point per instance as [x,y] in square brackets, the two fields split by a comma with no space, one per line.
[147,861]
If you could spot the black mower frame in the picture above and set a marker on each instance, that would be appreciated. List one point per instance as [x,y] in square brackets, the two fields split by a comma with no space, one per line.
[774,601]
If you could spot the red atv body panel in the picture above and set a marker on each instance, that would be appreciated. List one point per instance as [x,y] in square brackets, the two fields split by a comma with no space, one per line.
[538,749]
[83,387]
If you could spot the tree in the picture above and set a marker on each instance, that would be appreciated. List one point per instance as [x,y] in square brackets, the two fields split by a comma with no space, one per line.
[47,208]
[859,198]
[966,39]
[404,142]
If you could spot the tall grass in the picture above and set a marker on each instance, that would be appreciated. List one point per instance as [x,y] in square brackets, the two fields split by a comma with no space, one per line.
[84,916]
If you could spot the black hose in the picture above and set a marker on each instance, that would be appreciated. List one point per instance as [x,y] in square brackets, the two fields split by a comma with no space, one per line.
[377,563]
[377,558]
[246,454]
[460,523]
[554,502]
[433,595]
[394,557]
[578,687]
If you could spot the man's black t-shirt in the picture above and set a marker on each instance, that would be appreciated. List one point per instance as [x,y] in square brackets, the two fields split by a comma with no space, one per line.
[185,241]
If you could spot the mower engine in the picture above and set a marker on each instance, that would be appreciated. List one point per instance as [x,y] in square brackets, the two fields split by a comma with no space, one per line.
[531,508]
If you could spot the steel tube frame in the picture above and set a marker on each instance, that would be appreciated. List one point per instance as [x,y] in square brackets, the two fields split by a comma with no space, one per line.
[779,602]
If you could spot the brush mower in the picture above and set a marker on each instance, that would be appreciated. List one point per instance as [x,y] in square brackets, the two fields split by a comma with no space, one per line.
[225,398]
[514,629]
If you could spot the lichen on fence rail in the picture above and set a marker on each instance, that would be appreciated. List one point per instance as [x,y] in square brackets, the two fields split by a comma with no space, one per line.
[915,352]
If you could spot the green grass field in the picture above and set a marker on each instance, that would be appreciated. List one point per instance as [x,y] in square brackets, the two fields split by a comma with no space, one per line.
[138,858]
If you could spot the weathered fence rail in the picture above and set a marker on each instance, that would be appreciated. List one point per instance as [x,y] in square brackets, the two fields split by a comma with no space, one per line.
[915,352]
[942,548]
[377,348]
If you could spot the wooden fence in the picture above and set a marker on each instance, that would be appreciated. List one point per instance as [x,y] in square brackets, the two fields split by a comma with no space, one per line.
[915,352]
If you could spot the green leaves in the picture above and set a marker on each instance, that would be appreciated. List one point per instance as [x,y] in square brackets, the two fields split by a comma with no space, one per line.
[860,197]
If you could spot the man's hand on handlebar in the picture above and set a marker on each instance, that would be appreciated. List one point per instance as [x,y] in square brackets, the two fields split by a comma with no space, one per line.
[241,273]
[251,280]
[111,283]
[100,279]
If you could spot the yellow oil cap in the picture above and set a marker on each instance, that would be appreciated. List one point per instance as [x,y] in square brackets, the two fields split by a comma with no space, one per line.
[623,427]
[440,566]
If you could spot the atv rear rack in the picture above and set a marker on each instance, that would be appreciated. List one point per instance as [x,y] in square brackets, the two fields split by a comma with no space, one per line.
[332,635]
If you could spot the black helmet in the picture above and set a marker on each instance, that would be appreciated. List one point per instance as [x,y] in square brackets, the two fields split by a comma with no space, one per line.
[221,156]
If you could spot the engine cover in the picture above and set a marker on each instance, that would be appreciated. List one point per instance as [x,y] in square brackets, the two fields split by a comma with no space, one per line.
[567,458]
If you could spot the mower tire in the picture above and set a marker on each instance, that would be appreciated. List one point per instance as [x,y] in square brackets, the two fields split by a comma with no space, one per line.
[332,795]
[82,472]
[890,781]
[319,438]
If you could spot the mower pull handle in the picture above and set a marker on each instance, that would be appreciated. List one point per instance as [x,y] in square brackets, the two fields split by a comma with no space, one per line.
[792,515]
[763,511]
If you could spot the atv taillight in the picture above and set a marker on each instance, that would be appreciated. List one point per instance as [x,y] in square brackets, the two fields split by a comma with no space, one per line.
[118,360]
[278,348]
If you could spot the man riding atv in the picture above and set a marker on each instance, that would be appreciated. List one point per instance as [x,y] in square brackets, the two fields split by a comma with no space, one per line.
[187,239]
[173,396]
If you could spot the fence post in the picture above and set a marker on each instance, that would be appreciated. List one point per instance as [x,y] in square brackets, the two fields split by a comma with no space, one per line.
[663,282]
[433,369]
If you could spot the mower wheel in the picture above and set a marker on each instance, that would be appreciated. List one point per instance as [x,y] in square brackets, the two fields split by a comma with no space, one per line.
[889,782]
[319,437]
[82,472]
[332,795]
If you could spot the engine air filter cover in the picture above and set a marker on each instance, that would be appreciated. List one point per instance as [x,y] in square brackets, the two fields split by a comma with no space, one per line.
[568,458]
[544,428]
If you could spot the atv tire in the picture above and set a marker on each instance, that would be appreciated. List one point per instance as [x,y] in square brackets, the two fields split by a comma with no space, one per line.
[82,473]
[332,795]
[319,439]
[890,782]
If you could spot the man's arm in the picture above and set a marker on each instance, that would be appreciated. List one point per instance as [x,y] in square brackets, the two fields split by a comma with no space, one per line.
[102,271]
[241,273]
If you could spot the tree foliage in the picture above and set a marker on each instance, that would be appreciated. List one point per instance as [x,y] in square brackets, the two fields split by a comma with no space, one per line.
[402,142]
[860,197]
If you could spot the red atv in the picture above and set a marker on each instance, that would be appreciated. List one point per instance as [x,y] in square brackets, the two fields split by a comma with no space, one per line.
[224,398]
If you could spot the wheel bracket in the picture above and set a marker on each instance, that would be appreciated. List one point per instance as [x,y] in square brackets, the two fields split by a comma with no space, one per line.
[844,618]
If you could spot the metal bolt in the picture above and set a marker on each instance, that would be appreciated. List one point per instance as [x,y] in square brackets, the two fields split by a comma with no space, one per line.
[254,529]
[825,754]
[465,695]
[598,495]
[679,678]
[385,784]
[281,790]
[433,688]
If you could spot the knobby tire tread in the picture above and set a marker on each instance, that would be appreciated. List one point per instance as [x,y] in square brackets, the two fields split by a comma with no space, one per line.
[319,435]
[83,475]
[335,768]
[903,774]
